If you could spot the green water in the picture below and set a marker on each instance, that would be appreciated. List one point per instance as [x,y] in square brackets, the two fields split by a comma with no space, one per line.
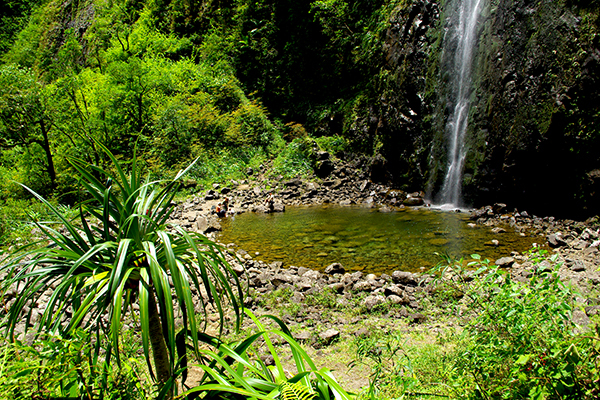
[364,239]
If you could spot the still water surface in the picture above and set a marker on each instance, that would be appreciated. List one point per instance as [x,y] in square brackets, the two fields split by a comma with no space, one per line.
[364,239]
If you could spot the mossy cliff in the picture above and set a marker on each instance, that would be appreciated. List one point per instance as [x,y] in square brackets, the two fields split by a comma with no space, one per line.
[533,133]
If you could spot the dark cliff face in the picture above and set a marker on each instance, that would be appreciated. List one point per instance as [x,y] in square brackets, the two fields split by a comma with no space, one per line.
[539,99]
[534,126]
[398,118]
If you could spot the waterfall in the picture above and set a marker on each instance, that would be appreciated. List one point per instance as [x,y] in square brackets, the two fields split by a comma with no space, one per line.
[462,42]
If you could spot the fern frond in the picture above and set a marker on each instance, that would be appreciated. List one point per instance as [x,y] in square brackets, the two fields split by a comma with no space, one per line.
[295,391]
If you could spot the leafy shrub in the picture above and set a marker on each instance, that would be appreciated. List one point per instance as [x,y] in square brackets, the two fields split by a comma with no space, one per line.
[225,164]
[522,341]
[332,144]
[295,159]
[55,366]
[121,252]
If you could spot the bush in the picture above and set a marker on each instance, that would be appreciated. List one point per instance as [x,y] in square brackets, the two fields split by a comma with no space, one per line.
[522,341]
[55,366]
[295,159]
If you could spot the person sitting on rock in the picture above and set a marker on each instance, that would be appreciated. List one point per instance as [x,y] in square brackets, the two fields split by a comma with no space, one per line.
[269,201]
[220,210]
[225,205]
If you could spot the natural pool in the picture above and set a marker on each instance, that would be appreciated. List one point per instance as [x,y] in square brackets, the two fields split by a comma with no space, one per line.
[364,239]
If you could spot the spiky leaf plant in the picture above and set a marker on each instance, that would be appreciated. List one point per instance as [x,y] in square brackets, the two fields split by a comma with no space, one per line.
[122,251]
[235,371]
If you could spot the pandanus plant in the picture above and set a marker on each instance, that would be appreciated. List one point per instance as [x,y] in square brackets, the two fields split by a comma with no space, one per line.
[119,252]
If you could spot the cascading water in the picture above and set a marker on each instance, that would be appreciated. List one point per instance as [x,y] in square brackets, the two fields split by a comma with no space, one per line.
[462,42]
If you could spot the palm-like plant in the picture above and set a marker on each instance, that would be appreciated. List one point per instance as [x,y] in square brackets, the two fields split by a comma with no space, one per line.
[121,252]
[234,371]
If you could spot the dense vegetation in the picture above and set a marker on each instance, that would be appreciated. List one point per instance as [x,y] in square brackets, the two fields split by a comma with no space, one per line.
[235,81]
[238,84]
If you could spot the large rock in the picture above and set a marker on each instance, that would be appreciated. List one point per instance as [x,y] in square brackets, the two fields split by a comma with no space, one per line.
[373,301]
[324,168]
[404,278]
[413,201]
[206,224]
[335,268]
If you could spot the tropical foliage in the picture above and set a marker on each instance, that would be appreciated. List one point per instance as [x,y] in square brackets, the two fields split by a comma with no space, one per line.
[235,368]
[119,253]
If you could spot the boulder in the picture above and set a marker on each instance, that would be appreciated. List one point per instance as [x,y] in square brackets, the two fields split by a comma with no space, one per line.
[206,224]
[413,201]
[324,168]
[372,301]
[499,208]
[404,278]
[505,262]
[322,155]
[335,268]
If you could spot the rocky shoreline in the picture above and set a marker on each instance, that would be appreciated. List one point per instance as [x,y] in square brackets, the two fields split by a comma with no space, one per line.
[575,244]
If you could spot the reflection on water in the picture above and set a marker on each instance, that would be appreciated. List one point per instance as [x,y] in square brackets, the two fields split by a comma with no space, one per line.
[364,239]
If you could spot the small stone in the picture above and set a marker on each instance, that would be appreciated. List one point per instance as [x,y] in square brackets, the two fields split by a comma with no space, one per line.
[555,240]
[312,274]
[405,278]
[417,318]
[302,336]
[238,269]
[337,287]
[577,266]
[364,185]
[505,262]
[362,332]
[592,310]
[268,359]
[395,299]
[329,336]
[362,286]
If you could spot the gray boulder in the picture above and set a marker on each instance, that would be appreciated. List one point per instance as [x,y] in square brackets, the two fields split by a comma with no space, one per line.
[335,268]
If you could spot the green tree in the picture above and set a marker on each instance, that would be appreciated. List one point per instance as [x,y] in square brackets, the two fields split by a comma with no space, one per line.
[122,252]
[24,117]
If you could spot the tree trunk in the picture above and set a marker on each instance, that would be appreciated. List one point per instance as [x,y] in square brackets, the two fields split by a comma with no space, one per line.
[162,367]
[50,160]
